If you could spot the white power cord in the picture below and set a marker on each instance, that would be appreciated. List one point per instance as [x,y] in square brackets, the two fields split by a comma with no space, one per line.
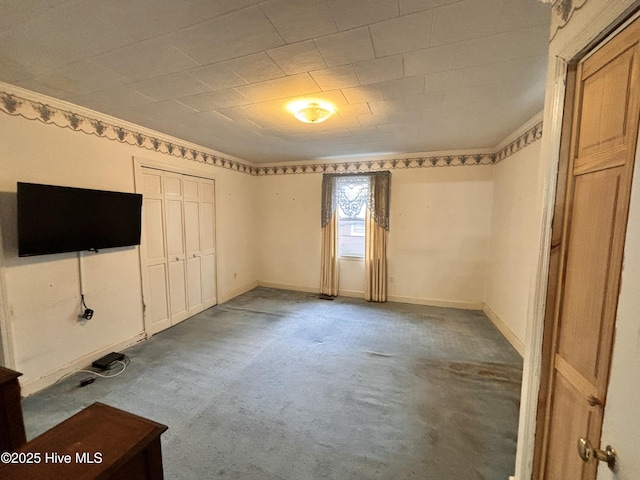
[101,375]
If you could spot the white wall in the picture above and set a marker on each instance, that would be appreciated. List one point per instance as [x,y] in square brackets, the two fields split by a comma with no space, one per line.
[439,235]
[621,427]
[438,240]
[514,243]
[43,292]
[288,209]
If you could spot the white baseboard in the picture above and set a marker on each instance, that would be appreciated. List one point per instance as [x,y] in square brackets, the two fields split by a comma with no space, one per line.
[351,293]
[504,329]
[32,386]
[225,297]
[298,288]
[435,303]
[391,298]
[284,286]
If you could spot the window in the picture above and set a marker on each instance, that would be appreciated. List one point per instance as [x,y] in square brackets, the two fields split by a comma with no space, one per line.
[353,193]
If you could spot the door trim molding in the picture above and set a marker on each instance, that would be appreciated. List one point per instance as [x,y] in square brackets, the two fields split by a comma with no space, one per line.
[556,84]
[7,355]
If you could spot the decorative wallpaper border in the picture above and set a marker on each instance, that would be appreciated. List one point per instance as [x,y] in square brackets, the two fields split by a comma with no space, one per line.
[563,11]
[522,141]
[33,110]
[15,105]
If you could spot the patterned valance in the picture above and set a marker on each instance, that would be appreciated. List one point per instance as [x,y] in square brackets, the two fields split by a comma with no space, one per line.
[350,192]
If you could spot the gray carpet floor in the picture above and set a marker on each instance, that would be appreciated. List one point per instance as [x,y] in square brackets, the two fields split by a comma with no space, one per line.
[282,385]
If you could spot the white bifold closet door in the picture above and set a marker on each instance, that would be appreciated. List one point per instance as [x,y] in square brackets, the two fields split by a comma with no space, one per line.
[178,247]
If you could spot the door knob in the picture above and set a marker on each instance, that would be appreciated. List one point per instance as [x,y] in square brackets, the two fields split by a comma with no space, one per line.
[587,452]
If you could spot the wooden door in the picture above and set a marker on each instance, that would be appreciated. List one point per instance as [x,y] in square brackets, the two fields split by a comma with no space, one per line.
[176,256]
[153,253]
[602,152]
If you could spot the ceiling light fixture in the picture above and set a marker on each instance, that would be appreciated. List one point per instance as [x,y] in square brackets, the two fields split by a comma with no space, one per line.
[311,111]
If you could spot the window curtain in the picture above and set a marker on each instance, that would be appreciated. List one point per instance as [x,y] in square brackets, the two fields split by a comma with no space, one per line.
[329,271]
[376,228]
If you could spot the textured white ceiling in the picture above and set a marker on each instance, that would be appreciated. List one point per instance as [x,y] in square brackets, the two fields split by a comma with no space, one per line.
[406,76]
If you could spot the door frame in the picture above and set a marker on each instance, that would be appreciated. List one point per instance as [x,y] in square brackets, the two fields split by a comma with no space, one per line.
[577,40]
[7,358]
[138,164]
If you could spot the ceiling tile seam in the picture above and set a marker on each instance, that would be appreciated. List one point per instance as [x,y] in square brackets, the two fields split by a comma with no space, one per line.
[18,106]
[373,44]
[266,52]
[200,65]
[186,27]
[433,17]
[284,41]
[155,37]
[204,84]
[92,57]
[333,18]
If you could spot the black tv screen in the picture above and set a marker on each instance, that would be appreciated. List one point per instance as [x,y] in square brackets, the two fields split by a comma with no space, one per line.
[53,219]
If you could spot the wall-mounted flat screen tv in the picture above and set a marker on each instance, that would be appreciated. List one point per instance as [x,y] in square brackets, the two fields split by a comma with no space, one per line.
[54,219]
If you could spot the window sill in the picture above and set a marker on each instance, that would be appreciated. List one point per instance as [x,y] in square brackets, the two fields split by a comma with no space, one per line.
[351,258]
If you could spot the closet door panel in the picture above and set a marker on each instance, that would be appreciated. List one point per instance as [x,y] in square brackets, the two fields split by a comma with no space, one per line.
[192,240]
[207,242]
[153,254]
[174,200]
[157,303]
[194,274]
[180,237]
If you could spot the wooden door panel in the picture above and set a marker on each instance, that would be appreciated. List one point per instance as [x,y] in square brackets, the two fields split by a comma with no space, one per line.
[208,263]
[153,253]
[606,93]
[175,246]
[192,226]
[207,234]
[589,255]
[172,185]
[175,226]
[206,190]
[190,187]
[206,197]
[177,289]
[574,418]
[152,183]
[194,276]
[154,228]
[157,306]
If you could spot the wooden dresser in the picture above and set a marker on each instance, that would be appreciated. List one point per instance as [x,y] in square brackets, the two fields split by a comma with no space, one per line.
[12,433]
[99,442]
